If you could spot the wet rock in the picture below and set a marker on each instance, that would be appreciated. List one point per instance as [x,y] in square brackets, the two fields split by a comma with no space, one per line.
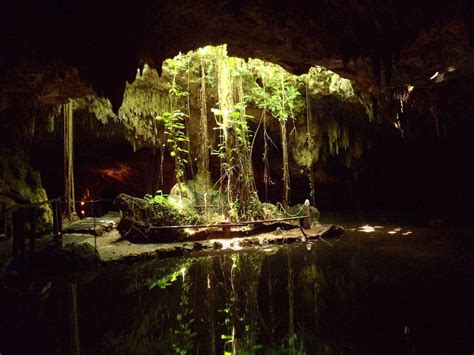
[217,245]
[333,231]
[71,258]
[197,246]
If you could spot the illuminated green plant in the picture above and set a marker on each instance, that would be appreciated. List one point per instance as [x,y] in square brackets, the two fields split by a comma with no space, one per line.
[280,95]
[176,140]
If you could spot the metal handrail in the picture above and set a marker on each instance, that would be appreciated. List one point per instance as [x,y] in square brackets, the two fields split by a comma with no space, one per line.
[220,225]
[30,205]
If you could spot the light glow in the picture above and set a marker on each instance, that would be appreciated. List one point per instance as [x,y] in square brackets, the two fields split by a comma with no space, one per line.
[368,229]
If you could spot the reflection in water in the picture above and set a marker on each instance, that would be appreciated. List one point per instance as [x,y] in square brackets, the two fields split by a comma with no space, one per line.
[294,301]
[288,300]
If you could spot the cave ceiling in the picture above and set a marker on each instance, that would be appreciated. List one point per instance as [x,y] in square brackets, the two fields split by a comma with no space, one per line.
[60,49]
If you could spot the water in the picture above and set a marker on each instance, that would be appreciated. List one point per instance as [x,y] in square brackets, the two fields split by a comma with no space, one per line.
[369,293]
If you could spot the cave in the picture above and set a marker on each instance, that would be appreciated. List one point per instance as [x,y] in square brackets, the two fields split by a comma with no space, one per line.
[237,177]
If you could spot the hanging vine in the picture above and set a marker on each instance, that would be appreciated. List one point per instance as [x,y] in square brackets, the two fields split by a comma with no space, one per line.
[69,194]
[281,97]
[227,138]
[309,143]
[282,118]
[204,156]
[248,192]
[177,142]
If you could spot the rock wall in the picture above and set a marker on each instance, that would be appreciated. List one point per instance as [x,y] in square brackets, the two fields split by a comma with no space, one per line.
[20,183]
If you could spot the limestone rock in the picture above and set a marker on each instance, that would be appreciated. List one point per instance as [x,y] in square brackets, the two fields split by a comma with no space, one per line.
[20,183]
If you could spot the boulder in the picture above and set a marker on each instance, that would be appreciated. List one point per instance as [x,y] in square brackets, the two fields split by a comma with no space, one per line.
[138,214]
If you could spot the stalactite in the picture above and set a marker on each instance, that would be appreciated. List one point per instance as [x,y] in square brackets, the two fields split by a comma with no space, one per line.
[333,136]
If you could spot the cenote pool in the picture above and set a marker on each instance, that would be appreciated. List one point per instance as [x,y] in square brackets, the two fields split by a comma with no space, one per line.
[369,293]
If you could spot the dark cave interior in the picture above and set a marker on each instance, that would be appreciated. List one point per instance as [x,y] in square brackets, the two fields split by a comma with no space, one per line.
[363,107]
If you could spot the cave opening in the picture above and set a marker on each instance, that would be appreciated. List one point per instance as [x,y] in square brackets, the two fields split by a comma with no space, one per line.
[163,118]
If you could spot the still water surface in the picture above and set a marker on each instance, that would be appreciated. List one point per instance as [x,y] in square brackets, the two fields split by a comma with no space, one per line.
[371,292]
